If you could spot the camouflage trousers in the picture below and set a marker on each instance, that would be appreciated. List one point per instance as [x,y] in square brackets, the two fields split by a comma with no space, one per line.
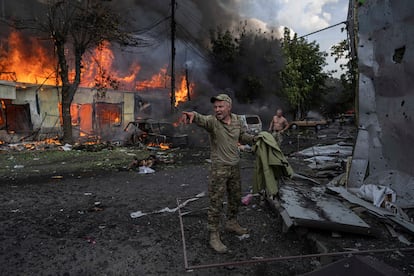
[223,179]
[278,137]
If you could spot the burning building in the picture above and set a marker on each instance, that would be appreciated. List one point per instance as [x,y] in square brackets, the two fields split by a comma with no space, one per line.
[115,88]
[30,94]
[34,112]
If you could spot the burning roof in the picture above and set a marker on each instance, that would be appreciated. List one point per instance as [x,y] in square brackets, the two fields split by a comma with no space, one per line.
[28,60]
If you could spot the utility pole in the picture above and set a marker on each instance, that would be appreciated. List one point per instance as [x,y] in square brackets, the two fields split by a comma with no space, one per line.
[187,82]
[172,56]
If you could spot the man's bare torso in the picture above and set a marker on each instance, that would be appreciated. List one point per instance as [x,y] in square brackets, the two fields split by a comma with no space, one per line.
[279,123]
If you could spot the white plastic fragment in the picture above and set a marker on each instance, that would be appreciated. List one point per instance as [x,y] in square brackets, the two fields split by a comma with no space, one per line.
[145,170]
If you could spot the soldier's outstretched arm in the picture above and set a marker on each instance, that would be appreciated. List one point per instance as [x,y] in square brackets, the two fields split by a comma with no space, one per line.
[186,118]
[205,121]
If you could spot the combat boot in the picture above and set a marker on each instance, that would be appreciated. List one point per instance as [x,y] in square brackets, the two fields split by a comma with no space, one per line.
[233,226]
[216,243]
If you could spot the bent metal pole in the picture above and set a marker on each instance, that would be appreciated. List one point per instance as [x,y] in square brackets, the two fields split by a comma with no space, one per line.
[286,258]
[182,235]
[275,259]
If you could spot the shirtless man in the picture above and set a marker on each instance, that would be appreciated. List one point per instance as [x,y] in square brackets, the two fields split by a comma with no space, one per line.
[278,125]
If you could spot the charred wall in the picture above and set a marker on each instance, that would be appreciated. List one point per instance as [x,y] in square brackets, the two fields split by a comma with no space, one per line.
[33,112]
[385,48]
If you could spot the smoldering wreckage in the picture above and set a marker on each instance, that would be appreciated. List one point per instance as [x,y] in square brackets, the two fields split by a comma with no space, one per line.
[361,188]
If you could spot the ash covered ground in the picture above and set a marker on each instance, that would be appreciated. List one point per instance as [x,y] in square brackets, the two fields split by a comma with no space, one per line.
[71,216]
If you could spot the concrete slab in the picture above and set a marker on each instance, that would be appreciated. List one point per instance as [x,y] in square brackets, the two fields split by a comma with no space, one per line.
[308,206]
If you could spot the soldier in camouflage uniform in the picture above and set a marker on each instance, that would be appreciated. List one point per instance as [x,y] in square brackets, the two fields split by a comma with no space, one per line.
[226,130]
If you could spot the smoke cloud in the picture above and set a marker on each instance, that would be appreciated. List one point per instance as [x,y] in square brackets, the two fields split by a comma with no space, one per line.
[194,20]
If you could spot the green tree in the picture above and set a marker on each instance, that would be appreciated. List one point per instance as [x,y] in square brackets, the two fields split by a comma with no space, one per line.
[349,76]
[224,48]
[335,100]
[303,79]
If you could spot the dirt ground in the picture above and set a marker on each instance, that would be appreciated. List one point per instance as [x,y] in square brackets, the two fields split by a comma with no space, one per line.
[76,221]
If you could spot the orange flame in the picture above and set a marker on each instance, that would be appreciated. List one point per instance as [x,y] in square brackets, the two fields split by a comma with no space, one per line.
[21,63]
[36,64]
[159,80]
[163,146]
[181,93]
[99,64]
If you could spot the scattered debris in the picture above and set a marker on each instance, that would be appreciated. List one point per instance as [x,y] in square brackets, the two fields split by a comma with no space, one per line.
[303,205]
[335,150]
[344,134]
[33,145]
[66,147]
[247,199]
[139,214]
[147,162]
[302,177]
[356,265]
[243,237]
[379,212]
[145,170]
[328,160]
[90,240]
[377,194]
[400,182]
[166,157]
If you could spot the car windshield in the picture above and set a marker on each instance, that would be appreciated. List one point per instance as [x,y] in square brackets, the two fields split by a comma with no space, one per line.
[252,120]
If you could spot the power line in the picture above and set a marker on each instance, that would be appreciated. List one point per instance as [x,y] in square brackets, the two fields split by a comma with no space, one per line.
[194,20]
[324,29]
[189,41]
[152,26]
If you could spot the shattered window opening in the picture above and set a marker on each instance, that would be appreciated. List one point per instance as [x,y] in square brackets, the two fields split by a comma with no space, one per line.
[398,54]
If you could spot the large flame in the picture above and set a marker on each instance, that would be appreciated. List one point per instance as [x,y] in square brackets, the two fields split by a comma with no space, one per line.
[183,91]
[159,80]
[32,63]
[98,66]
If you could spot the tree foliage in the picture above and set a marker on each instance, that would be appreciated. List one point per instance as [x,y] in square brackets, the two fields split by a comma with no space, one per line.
[349,77]
[247,61]
[303,79]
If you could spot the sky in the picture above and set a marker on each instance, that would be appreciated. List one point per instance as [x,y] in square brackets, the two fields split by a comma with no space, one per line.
[303,17]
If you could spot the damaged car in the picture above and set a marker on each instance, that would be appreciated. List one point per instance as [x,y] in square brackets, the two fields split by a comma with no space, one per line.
[155,132]
[252,123]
